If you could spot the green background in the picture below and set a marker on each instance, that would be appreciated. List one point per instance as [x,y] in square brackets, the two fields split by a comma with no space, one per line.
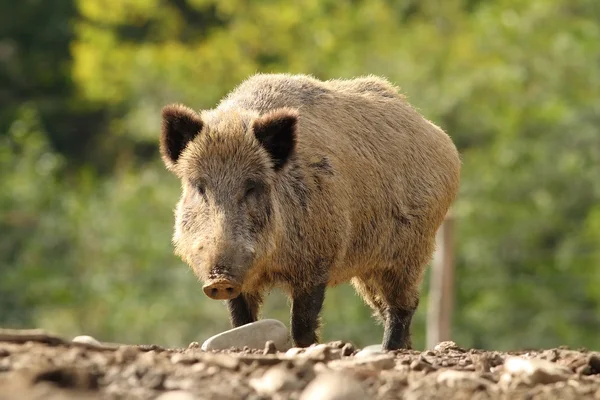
[86,206]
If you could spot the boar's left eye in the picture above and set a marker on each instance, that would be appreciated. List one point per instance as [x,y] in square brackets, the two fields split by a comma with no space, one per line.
[251,189]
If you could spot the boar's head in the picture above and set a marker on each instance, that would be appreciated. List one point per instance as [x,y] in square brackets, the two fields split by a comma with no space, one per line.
[228,163]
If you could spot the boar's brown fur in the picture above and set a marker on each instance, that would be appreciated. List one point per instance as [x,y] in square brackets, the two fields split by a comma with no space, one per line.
[302,183]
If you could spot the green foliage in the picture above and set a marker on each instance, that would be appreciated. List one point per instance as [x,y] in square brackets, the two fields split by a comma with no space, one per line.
[86,210]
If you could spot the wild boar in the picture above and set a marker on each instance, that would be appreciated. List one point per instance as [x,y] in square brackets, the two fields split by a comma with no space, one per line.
[305,184]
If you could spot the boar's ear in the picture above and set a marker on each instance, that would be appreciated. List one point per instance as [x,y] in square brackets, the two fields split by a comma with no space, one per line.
[276,132]
[180,125]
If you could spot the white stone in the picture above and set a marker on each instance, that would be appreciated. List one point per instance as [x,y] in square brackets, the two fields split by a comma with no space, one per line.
[253,335]
[294,351]
[85,339]
[453,378]
[334,386]
[176,395]
[319,352]
[374,349]
[533,371]
[376,362]
[275,379]
[380,362]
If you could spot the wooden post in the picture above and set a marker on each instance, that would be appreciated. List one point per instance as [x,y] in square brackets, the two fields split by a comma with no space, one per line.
[441,292]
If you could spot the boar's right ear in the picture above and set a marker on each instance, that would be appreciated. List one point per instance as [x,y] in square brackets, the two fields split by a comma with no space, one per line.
[180,125]
[276,132]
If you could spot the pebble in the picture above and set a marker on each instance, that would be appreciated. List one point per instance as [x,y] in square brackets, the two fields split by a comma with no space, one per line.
[375,362]
[594,363]
[253,335]
[126,354]
[221,360]
[374,349]
[85,339]
[274,380]
[379,362]
[420,365]
[320,352]
[445,346]
[269,348]
[321,368]
[176,395]
[348,349]
[453,379]
[334,386]
[183,359]
[533,371]
[294,351]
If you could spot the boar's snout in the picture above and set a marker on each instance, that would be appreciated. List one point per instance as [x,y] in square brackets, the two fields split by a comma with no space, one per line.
[222,289]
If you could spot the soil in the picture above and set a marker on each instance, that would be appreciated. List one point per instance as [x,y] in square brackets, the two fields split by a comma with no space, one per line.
[34,365]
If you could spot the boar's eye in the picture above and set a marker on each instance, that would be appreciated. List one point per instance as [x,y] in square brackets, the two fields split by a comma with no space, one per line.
[201,190]
[251,189]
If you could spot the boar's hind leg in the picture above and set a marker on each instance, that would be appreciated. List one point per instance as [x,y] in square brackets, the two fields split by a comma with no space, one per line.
[394,302]
[401,296]
[396,334]
[243,309]
[306,307]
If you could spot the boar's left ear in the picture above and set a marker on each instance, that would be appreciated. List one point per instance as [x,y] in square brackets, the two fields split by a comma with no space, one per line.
[276,132]
[180,125]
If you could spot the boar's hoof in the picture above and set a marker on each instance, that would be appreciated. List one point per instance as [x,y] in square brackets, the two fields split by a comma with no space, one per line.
[222,290]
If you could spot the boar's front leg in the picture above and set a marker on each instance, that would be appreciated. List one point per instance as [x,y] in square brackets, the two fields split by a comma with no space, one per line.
[243,309]
[306,307]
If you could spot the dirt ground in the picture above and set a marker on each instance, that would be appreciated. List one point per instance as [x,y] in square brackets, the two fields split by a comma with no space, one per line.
[34,365]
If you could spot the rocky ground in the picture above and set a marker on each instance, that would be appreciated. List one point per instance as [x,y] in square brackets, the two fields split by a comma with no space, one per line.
[34,365]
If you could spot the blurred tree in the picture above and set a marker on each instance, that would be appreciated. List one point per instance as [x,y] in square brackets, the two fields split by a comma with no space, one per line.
[30,238]
[35,66]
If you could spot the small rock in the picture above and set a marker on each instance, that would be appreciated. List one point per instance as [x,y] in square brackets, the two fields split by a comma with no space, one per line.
[463,362]
[550,355]
[420,365]
[445,346]
[253,335]
[275,379]
[334,386]
[594,364]
[221,360]
[486,362]
[455,379]
[149,358]
[294,351]
[194,345]
[125,354]
[532,371]
[269,348]
[348,349]
[176,395]
[377,362]
[320,368]
[183,359]
[85,339]
[371,350]
[320,352]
